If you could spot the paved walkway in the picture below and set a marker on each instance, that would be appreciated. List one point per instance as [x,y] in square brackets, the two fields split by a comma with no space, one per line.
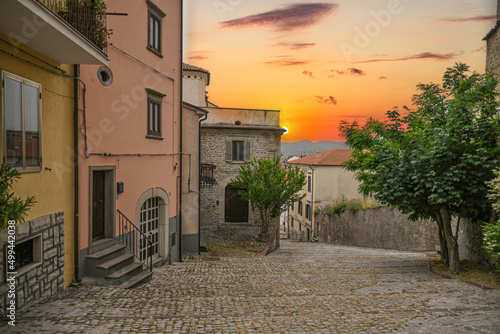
[302,288]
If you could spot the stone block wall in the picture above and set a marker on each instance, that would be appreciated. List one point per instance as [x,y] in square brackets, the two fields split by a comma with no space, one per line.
[378,228]
[42,278]
[213,229]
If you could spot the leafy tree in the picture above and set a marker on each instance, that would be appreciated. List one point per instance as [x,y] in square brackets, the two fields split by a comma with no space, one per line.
[11,208]
[491,231]
[433,163]
[269,187]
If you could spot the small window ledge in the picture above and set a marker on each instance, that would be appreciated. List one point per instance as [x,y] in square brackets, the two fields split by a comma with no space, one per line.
[154,137]
[156,52]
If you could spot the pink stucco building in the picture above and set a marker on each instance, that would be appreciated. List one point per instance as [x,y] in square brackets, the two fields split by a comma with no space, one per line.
[130,156]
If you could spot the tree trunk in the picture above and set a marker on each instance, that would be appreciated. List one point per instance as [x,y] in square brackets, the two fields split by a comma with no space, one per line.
[442,239]
[451,241]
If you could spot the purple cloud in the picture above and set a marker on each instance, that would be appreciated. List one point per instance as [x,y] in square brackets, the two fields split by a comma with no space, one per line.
[355,71]
[483,18]
[296,46]
[288,62]
[423,55]
[326,100]
[291,17]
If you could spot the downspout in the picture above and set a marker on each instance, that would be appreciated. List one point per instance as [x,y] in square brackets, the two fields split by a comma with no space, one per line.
[180,130]
[76,232]
[199,181]
[313,217]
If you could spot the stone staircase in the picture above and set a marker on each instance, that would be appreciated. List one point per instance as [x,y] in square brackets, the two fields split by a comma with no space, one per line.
[116,265]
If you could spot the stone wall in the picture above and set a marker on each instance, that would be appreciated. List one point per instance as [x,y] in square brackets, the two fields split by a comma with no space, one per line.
[44,277]
[213,148]
[378,228]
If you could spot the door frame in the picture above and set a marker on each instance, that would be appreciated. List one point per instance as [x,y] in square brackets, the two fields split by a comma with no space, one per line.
[109,202]
[163,242]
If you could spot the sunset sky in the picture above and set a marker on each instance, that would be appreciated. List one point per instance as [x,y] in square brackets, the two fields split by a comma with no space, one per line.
[323,62]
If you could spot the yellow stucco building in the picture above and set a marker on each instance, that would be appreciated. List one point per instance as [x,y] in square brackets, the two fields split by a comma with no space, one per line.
[38,52]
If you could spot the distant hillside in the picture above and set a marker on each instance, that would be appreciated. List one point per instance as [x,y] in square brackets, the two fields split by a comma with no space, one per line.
[306,147]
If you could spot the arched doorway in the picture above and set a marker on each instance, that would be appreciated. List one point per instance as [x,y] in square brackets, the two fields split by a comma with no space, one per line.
[235,207]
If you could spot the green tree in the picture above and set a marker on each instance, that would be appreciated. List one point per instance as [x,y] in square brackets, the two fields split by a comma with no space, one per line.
[433,163]
[269,188]
[11,208]
[491,231]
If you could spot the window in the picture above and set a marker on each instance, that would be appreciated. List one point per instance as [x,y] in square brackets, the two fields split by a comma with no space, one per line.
[155,16]
[308,211]
[293,206]
[292,221]
[300,208]
[238,150]
[309,186]
[154,114]
[28,255]
[22,116]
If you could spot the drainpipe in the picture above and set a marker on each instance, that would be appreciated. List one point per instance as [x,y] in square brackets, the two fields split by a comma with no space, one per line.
[313,217]
[76,232]
[180,132]
[199,181]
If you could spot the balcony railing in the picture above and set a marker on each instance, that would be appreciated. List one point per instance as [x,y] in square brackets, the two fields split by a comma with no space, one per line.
[86,16]
[207,175]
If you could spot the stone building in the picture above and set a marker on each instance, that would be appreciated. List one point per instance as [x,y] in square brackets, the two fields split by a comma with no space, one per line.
[493,47]
[230,137]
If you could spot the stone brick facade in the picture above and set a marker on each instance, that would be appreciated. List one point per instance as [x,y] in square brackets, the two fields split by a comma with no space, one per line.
[44,277]
[493,48]
[264,143]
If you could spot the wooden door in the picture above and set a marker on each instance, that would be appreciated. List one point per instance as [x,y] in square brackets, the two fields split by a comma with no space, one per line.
[98,205]
[236,208]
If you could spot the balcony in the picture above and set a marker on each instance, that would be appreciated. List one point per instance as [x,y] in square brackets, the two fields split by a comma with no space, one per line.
[67,31]
[87,16]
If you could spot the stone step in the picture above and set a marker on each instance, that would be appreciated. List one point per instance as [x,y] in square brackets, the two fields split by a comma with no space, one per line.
[106,254]
[125,273]
[137,280]
[115,264]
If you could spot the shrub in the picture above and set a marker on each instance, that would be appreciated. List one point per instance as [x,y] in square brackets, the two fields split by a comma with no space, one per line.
[11,208]
[344,204]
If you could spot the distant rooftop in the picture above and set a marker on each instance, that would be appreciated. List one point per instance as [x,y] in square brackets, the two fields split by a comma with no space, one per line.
[188,67]
[334,157]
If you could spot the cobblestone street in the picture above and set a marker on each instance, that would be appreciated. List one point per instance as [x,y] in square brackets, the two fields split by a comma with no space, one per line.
[301,288]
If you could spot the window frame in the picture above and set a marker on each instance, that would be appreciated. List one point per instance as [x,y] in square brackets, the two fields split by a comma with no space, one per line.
[24,168]
[155,14]
[308,211]
[247,149]
[309,183]
[154,98]
[299,209]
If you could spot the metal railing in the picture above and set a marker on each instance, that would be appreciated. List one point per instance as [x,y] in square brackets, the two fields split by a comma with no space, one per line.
[87,16]
[135,241]
[207,175]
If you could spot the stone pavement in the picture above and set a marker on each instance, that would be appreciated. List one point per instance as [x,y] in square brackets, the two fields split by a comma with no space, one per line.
[301,288]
